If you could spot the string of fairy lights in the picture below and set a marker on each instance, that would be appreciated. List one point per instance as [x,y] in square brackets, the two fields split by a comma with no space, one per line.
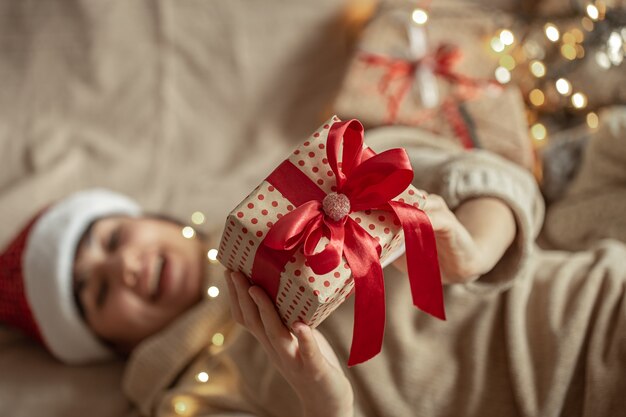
[538,54]
[185,405]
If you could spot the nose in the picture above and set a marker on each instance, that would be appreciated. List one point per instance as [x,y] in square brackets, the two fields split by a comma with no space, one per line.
[123,268]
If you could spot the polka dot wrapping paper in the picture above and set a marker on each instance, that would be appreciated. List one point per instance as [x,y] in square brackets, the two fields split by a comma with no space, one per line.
[302,294]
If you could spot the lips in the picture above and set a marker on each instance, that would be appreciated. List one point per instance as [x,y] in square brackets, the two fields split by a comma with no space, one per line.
[156,277]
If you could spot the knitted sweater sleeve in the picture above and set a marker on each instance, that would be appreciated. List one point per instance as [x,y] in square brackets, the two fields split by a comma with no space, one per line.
[459,175]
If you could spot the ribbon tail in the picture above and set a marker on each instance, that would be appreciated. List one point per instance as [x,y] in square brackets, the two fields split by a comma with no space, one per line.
[421,258]
[360,250]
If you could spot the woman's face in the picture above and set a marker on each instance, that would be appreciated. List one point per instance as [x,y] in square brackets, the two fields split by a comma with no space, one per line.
[133,276]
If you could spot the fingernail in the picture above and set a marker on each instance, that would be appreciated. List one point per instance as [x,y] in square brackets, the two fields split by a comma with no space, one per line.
[252,293]
[298,327]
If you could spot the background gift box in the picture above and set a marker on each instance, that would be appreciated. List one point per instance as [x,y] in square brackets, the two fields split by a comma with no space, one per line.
[388,81]
[331,241]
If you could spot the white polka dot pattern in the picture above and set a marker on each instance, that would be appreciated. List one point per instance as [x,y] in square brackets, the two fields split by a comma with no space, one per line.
[303,295]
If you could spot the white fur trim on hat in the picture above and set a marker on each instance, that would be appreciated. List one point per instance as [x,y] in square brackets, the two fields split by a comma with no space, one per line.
[48,271]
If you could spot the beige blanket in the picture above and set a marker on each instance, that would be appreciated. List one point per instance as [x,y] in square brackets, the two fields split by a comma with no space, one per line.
[184,105]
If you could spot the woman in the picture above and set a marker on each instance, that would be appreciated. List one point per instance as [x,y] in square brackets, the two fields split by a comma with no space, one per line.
[526,331]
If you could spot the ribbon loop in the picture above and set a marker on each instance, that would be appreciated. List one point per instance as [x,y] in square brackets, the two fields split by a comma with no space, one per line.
[293,228]
[351,134]
[379,179]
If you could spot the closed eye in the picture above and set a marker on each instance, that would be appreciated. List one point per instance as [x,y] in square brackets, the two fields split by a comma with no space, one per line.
[114,239]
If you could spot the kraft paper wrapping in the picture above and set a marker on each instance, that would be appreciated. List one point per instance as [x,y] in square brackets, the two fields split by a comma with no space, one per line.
[302,294]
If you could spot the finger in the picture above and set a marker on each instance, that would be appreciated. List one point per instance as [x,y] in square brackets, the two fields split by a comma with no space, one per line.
[434,203]
[250,312]
[235,310]
[310,353]
[276,331]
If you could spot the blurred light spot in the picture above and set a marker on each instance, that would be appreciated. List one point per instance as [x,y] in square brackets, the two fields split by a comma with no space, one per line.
[496,44]
[538,69]
[202,377]
[188,232]
[579,100]
[217,339]
[419,16]
[563,86]
[507,37]
[592,12]
[579,37]
[536,97]
[592,120]
[587,24]
[538,131]
[552,33]
[602,59]
[212,255]
[502,75]
[180,407]
[213,291]
[197,217]
[568,51]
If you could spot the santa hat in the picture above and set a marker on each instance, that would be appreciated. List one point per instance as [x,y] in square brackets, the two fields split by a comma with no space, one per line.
[36,270]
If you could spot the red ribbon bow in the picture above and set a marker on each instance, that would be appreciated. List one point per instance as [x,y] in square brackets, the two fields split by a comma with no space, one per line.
[369,181]
[441,62]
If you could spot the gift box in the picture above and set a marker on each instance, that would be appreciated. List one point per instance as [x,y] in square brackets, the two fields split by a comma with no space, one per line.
[437,77]
[318,228]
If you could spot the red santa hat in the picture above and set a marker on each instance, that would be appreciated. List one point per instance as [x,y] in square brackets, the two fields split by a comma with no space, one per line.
[36,270]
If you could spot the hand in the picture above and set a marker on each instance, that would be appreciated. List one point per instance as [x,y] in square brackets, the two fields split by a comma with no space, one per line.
[471,240]
[305,360]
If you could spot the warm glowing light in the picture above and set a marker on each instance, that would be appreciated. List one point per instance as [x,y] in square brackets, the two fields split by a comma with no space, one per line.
[580,51]
[538,69]
[213,291]
[502,75]
[592,120]
[497,45]
[202,377]
[217,339]
[197,217]
[507,37]
[579,100]
[508,62]
[615,41]
[420,16]
[212,255]
[602,59]
[568,51]
[569,37]
[188,232]
[180,407]
[601,5]
[592,12]
[563,86]
[536,97]
[579,37]
[587,24]
[552,33]
[538,131]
